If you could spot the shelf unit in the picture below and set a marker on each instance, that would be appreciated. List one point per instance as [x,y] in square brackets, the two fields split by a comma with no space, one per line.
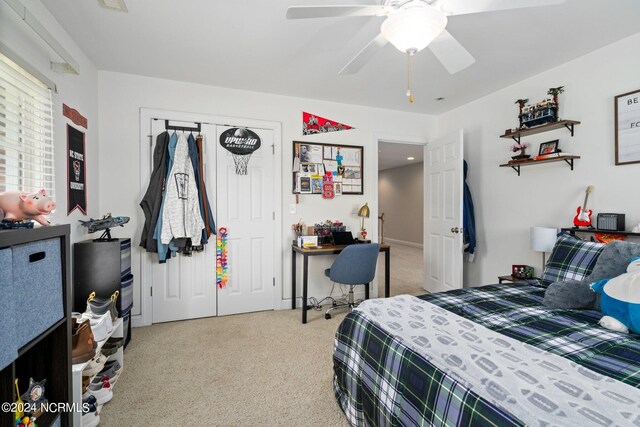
[48,355]
[594,230]
[117,332]
[516,165]
[569,124]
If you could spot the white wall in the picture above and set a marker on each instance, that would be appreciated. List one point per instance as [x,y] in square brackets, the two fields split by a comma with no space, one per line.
[77,91]
[122,95]
[400,197]
[507,205]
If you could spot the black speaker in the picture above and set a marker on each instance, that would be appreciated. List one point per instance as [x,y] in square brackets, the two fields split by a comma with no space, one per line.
[610,222]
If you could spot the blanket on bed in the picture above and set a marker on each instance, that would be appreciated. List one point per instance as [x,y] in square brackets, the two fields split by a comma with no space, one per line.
[540,388]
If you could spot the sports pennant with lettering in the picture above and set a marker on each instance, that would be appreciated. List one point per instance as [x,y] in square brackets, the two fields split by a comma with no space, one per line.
[312,124]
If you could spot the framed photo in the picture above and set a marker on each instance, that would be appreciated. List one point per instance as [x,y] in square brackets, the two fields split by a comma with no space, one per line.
[627,114]
[549,147]
[522,271]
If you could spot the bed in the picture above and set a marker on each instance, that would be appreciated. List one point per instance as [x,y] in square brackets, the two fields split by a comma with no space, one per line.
[381,379]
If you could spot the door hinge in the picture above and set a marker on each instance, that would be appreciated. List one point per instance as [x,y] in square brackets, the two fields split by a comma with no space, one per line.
[151,291]
[274,282]
[150,140]
[273,148]
[274,215]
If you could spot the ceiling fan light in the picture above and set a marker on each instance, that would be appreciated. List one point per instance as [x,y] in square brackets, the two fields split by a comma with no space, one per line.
[412,29]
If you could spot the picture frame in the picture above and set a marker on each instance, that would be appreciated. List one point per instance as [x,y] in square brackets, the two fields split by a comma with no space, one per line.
[314,159]
[548,147]
[627,128]
[522,271]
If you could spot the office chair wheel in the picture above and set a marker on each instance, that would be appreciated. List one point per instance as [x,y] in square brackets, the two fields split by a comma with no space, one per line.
[327,316]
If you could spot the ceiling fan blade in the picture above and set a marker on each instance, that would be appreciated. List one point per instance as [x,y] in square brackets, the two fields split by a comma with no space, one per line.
[364,55]
[451,53]
[462,7]
[302,12]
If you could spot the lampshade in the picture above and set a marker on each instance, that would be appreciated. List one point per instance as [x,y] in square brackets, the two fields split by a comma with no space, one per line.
[543,239]
[413,28]
[364,211]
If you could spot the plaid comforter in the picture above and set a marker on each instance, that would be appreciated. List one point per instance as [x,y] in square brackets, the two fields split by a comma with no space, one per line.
[379,381]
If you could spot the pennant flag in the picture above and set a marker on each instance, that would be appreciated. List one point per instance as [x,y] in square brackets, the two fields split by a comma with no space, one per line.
[312,124]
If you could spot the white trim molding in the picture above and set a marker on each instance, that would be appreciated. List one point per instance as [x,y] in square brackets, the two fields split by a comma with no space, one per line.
[403,243]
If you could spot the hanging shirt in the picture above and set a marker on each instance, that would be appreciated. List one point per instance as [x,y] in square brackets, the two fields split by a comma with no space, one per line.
[165,251]
[181,215]
[209,222]
[152,199]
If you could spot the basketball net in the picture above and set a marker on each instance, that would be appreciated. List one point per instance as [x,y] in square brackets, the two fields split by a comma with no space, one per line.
[241,161]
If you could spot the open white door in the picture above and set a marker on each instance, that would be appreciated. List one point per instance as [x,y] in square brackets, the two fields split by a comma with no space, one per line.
[245,206]
[443,244]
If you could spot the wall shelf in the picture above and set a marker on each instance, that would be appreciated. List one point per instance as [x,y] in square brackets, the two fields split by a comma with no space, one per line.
[516,165]
[594,231]
[569,124]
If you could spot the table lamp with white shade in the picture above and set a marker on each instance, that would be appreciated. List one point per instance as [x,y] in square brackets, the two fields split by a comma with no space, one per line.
[543,239]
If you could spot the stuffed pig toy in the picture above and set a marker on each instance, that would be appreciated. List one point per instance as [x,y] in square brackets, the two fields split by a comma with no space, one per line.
[620,299]
[18,205]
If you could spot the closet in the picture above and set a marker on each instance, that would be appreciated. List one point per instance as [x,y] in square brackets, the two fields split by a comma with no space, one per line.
[185,286]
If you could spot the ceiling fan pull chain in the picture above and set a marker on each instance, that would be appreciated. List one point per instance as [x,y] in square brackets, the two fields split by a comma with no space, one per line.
[410,54]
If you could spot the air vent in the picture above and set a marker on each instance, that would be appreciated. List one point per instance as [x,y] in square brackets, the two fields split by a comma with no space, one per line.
[114,5]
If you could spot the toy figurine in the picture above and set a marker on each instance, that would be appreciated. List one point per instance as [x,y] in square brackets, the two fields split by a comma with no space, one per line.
[18,205]
[363,233]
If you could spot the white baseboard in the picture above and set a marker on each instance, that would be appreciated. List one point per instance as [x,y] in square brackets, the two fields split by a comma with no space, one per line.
[402,242]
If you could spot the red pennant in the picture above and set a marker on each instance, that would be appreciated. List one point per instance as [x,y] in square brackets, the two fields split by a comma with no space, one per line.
[312,124]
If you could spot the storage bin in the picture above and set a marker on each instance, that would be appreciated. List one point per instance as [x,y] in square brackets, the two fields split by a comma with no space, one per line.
[37,282]
[125,257]
[126,328]
[8,344]
[126,295]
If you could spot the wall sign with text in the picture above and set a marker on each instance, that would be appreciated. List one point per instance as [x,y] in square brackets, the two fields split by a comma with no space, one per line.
[628,128]
[76,171]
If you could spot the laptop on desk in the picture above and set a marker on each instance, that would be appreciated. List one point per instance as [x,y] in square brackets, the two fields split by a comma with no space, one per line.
[342,238]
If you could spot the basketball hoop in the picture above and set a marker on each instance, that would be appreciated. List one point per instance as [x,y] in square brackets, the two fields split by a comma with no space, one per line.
[241,143]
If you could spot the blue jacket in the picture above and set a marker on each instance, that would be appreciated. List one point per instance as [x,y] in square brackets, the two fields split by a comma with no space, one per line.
[468,216]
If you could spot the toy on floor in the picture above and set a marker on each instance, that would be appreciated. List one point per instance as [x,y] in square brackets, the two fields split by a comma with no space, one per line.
[18,205]
[221,258]
[620,299]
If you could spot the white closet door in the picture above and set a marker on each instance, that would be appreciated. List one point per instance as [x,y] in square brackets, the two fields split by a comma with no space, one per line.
[245,206]
[185,287]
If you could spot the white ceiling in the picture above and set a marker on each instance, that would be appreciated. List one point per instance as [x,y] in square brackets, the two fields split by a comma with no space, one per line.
[248,44]
[393,155]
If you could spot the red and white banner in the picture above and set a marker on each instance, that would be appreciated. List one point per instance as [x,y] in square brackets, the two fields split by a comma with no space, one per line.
[312,124]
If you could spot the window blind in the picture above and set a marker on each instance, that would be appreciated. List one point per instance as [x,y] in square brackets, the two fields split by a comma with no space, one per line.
[26,131]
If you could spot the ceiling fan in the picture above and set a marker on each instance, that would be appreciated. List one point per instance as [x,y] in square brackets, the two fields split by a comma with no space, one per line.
[412,25]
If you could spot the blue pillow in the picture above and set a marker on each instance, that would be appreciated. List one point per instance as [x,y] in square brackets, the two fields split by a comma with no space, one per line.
[571,259]
[620,296]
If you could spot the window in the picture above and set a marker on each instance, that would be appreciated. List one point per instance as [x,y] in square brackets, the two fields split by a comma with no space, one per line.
[26,131]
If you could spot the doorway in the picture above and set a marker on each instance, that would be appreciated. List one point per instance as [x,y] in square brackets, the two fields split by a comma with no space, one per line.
[401,213]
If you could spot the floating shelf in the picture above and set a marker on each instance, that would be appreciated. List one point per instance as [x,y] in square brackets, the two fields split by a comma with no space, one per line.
[516,165]
[569,124]
[594,230]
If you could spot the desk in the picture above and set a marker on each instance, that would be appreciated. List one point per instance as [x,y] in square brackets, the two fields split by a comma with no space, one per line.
[327,250]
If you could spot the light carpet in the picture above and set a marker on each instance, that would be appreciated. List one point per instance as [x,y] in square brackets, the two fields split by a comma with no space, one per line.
[262,369]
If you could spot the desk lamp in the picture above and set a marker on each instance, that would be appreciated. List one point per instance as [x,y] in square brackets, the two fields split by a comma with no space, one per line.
[543,239]
[363,213]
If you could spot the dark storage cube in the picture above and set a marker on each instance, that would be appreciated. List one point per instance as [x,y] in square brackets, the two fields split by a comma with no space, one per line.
[37,281]
[8,343]
[100,266]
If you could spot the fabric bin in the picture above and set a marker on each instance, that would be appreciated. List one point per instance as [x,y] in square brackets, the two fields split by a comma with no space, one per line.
[37,281]
[8,344]
[126,295]
[125,257]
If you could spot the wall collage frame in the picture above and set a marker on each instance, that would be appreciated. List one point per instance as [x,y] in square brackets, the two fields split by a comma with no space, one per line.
[312,160]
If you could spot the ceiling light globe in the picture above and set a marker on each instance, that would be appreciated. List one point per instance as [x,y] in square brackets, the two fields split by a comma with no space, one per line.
[412,29]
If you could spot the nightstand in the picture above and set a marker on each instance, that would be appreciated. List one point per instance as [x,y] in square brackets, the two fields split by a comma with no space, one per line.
[513,279]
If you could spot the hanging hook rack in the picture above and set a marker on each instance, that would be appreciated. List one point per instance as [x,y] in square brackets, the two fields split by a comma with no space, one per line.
[197,128]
